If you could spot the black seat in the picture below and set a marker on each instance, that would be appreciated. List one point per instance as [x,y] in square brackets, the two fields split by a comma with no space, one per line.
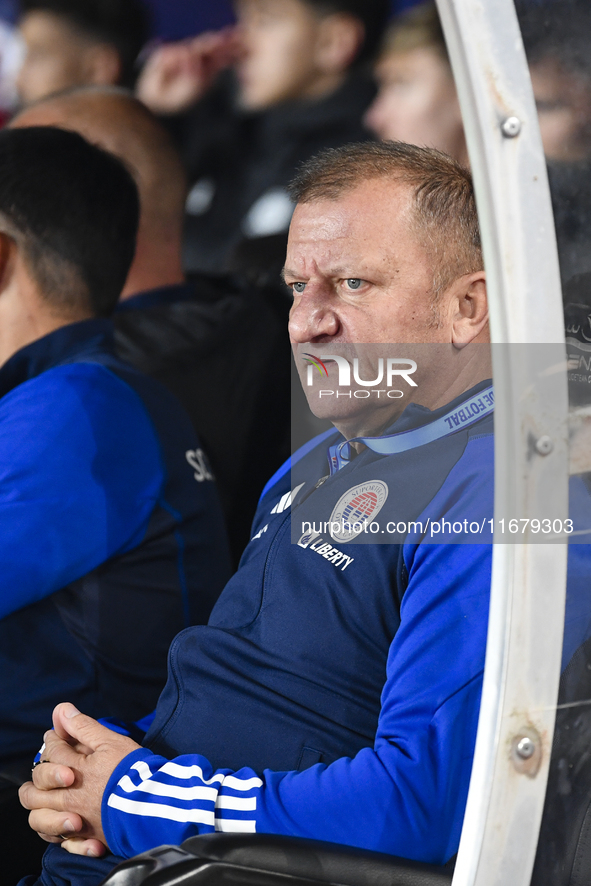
[268,860]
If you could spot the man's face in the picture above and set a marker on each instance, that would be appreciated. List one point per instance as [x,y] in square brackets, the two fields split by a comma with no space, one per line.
[359,274]
[564,111]
[417,102]
[55,56]
[278,60]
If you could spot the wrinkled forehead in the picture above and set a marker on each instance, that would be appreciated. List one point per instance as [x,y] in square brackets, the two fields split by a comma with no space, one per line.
[322,221]
[371,219]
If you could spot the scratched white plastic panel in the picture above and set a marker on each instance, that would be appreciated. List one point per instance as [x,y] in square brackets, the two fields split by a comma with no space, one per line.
[505,806]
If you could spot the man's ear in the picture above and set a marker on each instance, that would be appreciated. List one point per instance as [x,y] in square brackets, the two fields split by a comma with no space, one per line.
[7,260]
[340,37]
[469,309]
[102,65]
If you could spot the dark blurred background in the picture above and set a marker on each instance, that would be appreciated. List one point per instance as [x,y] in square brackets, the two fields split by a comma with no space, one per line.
[175,19]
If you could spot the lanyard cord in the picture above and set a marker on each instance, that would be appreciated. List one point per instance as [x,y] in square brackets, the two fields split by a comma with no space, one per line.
[476,408]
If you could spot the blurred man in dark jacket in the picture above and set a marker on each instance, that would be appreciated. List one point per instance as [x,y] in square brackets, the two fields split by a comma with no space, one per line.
[220,346]
[298,85]
[110,544]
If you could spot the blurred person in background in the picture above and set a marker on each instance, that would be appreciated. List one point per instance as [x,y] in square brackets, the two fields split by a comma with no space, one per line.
[110,545]
[219,346]
[79,42]
[298,84]
[417,101]
[557,39]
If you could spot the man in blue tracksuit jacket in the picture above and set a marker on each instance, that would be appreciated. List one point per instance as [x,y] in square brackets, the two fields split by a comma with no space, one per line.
[330,628]
[111,541]
[335,691]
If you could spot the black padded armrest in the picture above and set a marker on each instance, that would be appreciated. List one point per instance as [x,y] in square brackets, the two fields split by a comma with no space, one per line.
[269,859]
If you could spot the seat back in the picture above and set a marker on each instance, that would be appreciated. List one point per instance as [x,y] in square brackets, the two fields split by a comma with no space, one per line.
[269,860]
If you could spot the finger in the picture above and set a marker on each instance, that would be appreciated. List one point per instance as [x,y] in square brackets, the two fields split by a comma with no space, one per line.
[60,731]
[87,732]
[49,839]
[55,824]
[62,716]
[59,752]
[31,798]
[79,846]
[48,776]
[60,721]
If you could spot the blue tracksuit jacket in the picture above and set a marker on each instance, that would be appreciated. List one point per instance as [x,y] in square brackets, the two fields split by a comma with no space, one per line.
[335,691]
[109,544]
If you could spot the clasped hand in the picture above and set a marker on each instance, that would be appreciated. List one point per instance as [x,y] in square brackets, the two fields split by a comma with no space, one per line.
[66,793]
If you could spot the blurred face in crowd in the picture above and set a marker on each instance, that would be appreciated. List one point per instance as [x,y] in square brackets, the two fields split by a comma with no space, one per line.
[283,52]
[359,274]
[417,102]
[563,101]
[59,56]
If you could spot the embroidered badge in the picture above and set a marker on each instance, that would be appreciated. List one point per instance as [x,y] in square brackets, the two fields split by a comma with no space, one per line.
[356,509]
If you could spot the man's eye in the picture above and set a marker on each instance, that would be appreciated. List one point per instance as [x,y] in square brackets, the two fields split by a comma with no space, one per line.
[298,287]
[354,282]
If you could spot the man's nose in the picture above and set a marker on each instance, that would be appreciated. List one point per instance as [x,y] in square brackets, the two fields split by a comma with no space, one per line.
[312,317]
